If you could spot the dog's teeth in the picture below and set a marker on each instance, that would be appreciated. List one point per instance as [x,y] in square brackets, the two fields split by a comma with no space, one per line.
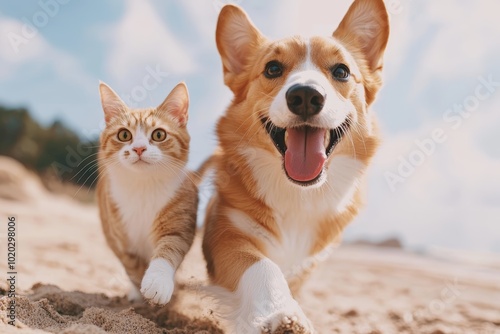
[286,138]
[327,138]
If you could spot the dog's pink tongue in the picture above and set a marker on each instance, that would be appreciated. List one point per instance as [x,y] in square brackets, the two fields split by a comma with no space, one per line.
[305,154]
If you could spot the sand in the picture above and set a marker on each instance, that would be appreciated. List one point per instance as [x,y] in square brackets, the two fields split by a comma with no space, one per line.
[69,281]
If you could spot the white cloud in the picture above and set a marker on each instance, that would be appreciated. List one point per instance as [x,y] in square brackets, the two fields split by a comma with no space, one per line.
[19,50]
[402,33]
[460,37]
[451,199]
[317,17]
[141,39]
[203,16]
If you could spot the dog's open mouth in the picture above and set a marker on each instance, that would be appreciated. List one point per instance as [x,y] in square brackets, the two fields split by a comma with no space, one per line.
[305,149]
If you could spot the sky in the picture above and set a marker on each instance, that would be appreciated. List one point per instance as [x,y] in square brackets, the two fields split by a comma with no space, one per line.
[436,179]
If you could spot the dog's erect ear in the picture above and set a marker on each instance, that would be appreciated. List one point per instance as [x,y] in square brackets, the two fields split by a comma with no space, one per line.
[366,27]
[236,38]
[365,31]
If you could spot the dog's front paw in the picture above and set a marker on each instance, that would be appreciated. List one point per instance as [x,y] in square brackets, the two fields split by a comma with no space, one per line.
[288,322]
[158,282]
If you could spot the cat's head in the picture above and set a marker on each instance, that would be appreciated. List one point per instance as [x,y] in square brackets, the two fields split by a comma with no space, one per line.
[153,139]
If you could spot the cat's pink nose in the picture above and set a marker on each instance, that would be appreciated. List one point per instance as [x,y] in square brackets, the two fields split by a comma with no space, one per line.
[139,150]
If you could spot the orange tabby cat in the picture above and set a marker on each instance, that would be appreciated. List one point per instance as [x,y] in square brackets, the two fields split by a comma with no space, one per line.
[147,200]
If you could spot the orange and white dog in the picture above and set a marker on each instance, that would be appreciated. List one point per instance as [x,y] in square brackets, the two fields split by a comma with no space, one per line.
[294,146]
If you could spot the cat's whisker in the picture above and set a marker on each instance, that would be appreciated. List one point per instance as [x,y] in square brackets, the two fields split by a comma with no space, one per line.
[99,175]
[89,166]
[171,169]
[89,147]
[180,166]
[96,171]
[86,166]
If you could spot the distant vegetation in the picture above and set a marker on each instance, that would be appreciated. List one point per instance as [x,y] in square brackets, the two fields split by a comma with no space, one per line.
[54,151]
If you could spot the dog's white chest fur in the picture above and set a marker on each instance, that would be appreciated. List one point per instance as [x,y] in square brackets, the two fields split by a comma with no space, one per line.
[297,231]
[139,200]
[297,211]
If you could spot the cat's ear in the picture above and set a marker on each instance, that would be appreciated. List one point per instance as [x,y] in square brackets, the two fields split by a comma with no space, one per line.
[112,105]
[177,103]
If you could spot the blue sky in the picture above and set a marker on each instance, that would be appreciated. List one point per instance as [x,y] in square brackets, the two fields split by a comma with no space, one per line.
[439,53]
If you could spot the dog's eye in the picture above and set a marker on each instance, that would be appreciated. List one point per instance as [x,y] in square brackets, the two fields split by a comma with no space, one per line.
[273,70]
[341,72]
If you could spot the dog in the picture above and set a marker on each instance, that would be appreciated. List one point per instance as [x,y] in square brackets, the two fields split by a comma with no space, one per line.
[294,145]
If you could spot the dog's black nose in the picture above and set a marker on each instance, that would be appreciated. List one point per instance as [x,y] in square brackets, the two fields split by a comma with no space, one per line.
[305,101]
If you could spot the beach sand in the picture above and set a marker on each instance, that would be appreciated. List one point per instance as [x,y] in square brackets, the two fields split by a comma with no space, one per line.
[68,281]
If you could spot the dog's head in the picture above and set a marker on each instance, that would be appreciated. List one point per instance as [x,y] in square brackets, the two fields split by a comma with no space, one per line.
[304,100]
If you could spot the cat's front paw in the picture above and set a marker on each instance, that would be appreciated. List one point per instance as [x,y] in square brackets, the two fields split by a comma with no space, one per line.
[292,320]
[158,282]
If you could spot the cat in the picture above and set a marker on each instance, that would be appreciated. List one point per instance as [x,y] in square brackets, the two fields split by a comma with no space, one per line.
[147,199]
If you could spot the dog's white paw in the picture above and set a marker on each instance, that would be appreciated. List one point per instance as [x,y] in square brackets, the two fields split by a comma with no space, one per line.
[291,320]
[263,304]
[158,282]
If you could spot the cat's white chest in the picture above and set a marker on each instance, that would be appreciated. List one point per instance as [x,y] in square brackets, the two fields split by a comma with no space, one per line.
[140,199]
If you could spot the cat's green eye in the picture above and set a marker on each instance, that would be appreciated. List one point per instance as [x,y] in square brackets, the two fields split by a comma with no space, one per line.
[124,135]
[159,135]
